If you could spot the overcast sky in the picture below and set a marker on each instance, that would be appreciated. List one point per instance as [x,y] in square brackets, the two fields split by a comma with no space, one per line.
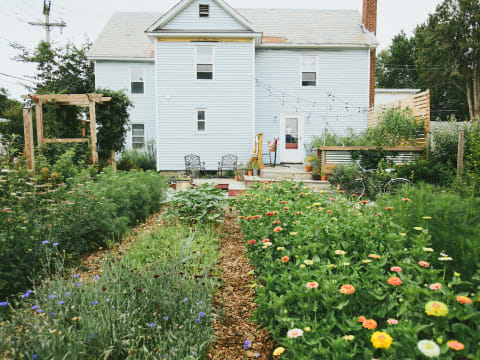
[86,18]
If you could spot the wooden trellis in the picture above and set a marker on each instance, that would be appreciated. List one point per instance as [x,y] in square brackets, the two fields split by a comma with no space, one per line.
[60,99]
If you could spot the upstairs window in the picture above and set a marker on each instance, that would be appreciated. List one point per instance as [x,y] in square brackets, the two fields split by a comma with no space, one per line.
[205,62]
[201,121]
[137,84]
[138,136]
[204,10]
[309,71]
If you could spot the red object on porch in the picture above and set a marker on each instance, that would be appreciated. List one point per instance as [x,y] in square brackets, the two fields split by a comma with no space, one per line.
[291,146]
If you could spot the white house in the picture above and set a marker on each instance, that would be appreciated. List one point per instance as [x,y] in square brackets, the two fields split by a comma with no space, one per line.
[206,78]
[385,96]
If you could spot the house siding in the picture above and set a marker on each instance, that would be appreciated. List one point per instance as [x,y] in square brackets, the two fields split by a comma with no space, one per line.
[228,100]
[115,75]
[344,73]
[218,20]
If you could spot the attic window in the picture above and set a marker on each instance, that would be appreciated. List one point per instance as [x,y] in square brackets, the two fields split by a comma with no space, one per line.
[204,10]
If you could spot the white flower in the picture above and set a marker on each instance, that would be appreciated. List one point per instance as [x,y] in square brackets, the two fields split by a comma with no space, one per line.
[429,348]
[294,333]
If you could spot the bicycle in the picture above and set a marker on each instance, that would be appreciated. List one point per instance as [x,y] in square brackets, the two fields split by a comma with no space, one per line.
[358,187]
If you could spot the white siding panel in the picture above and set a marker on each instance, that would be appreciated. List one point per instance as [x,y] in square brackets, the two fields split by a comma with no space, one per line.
[228,100]
[344,73]
[189,19]
[115,75]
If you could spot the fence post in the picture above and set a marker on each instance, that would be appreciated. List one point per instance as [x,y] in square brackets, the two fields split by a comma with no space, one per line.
[461,145]
[28,139]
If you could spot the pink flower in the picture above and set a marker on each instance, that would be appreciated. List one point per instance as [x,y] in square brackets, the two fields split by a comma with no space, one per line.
[392,321]
[312,285]
[424,264]
[394,281]
[396,269]
[436,286]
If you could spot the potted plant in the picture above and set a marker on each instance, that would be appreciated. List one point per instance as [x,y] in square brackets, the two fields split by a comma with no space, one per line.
[316,168]
[255,169]
[323,176]
[308,163]
[241,171]
[183,182]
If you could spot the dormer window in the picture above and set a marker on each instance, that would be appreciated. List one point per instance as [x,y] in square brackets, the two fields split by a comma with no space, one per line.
[204,10]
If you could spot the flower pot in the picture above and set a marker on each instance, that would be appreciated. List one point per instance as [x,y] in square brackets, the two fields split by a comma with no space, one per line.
[256,172]
[316,177]
[308,168]
[237,178]
[323,177]
[262,166]
[183,185]
[250,173]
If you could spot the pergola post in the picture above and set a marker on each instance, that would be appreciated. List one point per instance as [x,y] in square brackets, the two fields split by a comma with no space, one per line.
[93,133]
[28,136]
[39,120]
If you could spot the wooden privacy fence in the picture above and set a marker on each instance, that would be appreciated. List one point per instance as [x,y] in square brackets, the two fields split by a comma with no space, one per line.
[331,156]
[61,99]
[419,104]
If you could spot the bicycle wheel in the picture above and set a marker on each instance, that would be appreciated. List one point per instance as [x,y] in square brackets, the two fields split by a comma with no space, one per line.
[356,188]
[394,186]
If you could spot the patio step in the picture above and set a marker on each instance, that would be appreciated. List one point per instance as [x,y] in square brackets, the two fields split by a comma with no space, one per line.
[285,172]
[311,184]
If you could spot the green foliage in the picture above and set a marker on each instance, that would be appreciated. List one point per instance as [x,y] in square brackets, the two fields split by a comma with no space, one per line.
[349,139]
[198,205]
[84,215]
[369,159]
[432,172]
[113,121]
[343,174]
[153,302]
[332,241]
[11,110]
[138,159]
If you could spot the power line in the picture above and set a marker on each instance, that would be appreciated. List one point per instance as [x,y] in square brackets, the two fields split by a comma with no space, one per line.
[47,4]
[18,78]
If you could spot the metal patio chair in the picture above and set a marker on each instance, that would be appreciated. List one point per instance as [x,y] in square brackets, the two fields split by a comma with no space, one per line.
[193,163]
[229,162]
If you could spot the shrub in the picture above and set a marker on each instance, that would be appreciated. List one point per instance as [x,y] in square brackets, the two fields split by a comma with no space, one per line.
[343,174]
[139,159]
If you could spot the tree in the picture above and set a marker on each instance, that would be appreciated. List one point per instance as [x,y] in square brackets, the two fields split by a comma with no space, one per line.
[396,65]
[451,38]
[11,110]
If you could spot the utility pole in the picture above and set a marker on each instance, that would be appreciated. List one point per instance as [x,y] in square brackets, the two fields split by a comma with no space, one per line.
[47,24]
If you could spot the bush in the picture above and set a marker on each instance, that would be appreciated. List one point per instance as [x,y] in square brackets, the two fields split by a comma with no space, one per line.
[139,159]
[343,174]
[154,302]
[432,172]
[89,214]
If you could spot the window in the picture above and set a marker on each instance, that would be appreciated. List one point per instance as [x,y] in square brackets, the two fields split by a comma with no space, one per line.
[137,82]
[205,61]
[309,71]
[138,136]
[204,10]
[201,121]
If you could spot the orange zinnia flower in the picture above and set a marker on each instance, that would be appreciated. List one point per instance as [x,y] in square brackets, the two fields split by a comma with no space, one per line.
[312,285]
[394,281]
[285,259]
[249,218]
[363,201]
[361,319]
[347,289]
[257,216]
[278,229]
[277,222]
[251,242]
[455,345]
[369,324]
[265,241]
[464,300]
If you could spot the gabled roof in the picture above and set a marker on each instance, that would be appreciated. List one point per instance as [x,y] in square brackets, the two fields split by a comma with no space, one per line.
[311,26]
[123,37]
[179,7]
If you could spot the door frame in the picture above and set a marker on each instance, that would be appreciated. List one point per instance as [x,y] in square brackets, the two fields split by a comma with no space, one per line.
[301,136]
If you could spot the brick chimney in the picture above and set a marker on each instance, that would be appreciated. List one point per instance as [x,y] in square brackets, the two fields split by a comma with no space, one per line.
[369,20]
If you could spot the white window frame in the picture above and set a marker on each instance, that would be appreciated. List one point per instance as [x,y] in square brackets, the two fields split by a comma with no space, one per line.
[144,137]
[198,132]
[199,12]
[196,60]
[144,83]
[316,71]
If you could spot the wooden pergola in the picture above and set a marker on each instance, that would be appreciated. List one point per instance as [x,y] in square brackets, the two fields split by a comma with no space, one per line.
[60,99]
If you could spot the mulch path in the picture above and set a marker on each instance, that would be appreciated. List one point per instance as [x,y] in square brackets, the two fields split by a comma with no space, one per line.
[235,301]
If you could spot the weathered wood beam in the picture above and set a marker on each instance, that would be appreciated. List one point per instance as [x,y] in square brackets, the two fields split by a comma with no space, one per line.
[93,133]
[39,120]
[28,139]
[51,141]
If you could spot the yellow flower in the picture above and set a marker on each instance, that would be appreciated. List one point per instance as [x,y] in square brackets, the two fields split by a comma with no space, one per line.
[339,252]
[427,218]
[280,248]
[402,234]
[418,228]
[303,266]
[307,329]
[349,337]
[299,246]
[436,308]
[456,274]
[53,331]
[278,351]
[366,261]
[293,233]
[308,262]
[331,266]
[250,272]
[428,249]
[253,285]
[381,340]
[346,264]
[316,204]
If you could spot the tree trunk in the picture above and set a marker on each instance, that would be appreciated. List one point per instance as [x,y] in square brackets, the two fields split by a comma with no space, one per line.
[470,100]
[476,94]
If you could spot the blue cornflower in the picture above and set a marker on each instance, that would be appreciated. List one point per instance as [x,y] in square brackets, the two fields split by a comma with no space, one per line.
[200,302]
[76,276]
[52,314]
[185,300]
[96,277]
[90,336]
[165,318]
[94,303]
[247,344]
[54,244]
[61,302]
[201,314]
[257,355]
[39,311]
[35,307]
[53,296]
[198,320]
[153,325]
[113,307]
[194,354]
[27,294]
[44,242]
[34,356]
[3,303]
[78,284]
[68,293]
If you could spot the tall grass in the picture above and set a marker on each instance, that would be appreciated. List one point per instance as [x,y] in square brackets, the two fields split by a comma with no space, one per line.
[155,302]
[139,159]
